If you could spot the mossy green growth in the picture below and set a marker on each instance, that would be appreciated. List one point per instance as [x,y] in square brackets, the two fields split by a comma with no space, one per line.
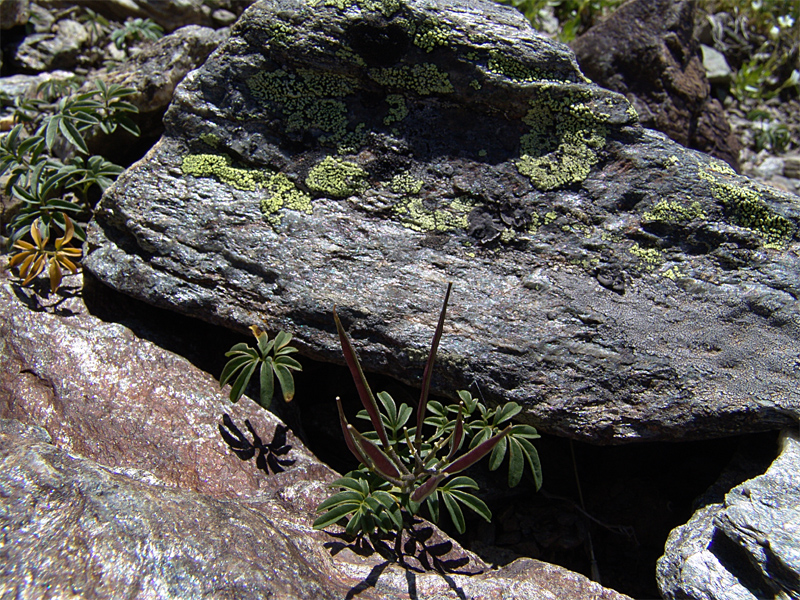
[424,78]
[668,211]
[446,216]
[397,109]
[405,183]
[564,139]
[214,165]
[336,178]
[307,100]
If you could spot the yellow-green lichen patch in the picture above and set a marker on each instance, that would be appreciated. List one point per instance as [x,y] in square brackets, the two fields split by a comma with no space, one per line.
[336,178]
[397,109]
[446,216]
[672,273]
[749,210]
[564,139]
[405,183]
[386,7]
[209,139]
[668,211]
[424,79]
[430,33]
[307,100]
[650,256]
[213,165]
[282,193]
[511,68]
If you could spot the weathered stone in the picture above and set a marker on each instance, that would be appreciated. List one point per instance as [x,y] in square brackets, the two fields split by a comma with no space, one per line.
[718,71]
[14,13]
[744,548]
[647,50]
[169,14]
[143,498]
[762,516]
[153,72]
[791,167]
[49,51]
[617,285]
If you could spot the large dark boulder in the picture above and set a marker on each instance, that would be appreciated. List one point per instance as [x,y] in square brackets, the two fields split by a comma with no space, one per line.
[363,154]
[647,50]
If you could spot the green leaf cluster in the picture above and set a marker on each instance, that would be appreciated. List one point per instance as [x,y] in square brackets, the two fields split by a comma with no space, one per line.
[245,360]
[403,470]
[45,158]
[136,30]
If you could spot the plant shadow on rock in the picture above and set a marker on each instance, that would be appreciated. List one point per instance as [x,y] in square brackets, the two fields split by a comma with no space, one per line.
[268,458]
[648,488]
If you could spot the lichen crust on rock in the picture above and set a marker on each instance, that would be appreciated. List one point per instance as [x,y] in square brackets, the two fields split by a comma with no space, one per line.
[363,152]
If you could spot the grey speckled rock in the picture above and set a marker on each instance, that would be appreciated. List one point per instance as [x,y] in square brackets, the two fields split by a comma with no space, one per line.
[365,153]
[745,548]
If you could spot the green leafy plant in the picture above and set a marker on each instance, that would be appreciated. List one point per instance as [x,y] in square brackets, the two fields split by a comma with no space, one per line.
[33,259]
[136,30]
[245,360]
[45,156]
[768,133]
[403,470]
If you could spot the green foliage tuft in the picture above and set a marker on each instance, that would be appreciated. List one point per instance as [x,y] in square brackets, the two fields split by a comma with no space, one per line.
[245,360]
[403,470]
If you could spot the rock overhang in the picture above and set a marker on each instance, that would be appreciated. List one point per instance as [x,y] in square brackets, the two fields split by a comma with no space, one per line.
[471,150]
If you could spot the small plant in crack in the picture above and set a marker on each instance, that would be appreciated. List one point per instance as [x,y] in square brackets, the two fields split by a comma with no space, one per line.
[245,360]
[403,470]
[269,455]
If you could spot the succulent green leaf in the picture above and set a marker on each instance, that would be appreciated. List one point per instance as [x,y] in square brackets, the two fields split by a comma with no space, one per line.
[286,380]
[389,406]
[282,339]
[350,483]
[498,454]
[288,362]
[455,512]
[267,384]
[474,503]
[433,506]
[532,458]
[516,462]
[334,515]
[71,132]
[239,385]
[345,497]
[231,367]
[506,412]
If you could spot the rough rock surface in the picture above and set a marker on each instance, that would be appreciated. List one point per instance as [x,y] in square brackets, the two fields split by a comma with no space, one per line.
[57,49]
[647,50]
[143,497]
[169,14]
[13,13]
[744,548]
[616,284]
